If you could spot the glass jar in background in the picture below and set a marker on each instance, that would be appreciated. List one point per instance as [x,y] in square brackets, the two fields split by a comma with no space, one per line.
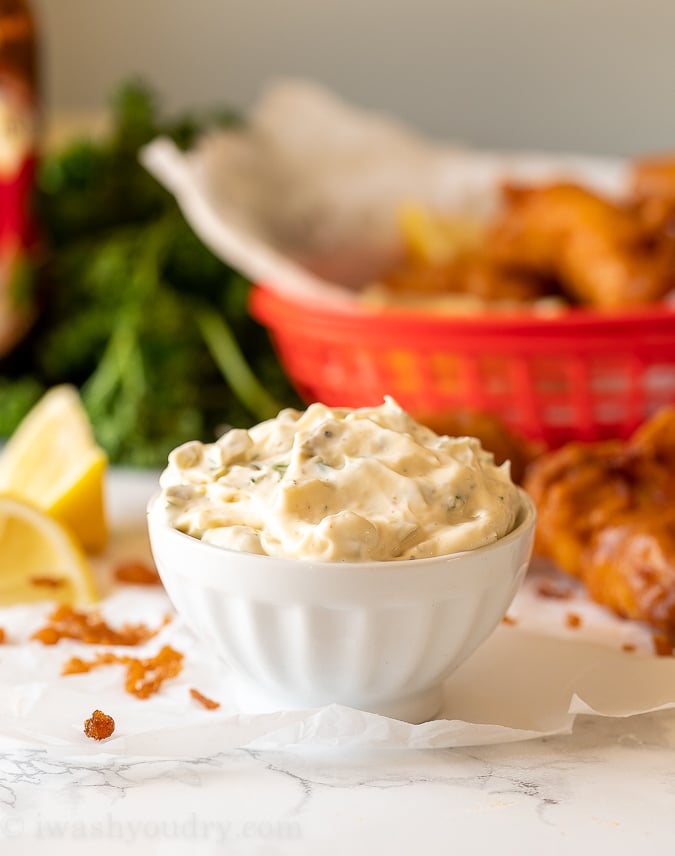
[18,158]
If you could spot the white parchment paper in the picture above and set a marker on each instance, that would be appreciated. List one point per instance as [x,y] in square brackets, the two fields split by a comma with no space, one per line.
[528,680]
[304,197]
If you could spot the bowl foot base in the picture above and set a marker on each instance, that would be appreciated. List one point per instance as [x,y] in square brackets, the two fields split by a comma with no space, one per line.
[415,708]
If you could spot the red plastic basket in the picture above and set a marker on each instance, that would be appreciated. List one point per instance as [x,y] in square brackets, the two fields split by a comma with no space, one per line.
[579,375]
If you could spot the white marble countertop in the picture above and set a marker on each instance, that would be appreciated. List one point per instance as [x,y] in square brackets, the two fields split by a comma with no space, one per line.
[607,787]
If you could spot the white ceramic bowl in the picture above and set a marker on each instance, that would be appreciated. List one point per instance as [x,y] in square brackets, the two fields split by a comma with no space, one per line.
[377,636]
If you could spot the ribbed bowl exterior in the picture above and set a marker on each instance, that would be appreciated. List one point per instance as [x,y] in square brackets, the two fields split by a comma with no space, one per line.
[366,635]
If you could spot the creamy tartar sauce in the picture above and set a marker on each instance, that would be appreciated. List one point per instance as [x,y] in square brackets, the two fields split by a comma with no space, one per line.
[335,484]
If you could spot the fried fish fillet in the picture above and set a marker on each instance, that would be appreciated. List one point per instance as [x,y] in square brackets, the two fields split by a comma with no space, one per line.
[469,275]
[597,249]
[652,193]
[607,515]
[630,566]
[552,239]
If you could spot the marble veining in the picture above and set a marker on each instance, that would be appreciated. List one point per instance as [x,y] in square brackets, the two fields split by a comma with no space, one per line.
[567,792]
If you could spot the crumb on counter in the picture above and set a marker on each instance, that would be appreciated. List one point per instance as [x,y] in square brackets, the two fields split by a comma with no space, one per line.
[144,676]
[572,620]
[89,627]
[48,582]
[628,647]
[510,620]
[556,590]
[208,703]
[99,726]
[137,573]
[663,646]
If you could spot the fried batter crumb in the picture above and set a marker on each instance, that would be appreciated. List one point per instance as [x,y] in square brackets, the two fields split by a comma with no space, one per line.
[65,622]
[99,726]
[553,589]
[628,647]
[663,647]
[208,703]
[573,620]
[3,637]
[137,573]
[48,582]
[510,620]
[144,677]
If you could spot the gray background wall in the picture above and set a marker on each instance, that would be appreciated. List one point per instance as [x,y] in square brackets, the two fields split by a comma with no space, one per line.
[583,75]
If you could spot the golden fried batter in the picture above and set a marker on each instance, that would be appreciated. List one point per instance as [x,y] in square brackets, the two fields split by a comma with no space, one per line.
[653,193]
[470,275]
[137,573]
[630,566]
[66,622]
[596,249]
[656,438]
[208,703]
[607,515]
[145,675]
[99,726]
[554,239]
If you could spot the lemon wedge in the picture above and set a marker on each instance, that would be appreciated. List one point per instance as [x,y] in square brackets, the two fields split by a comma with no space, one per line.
[53,462]
[40,559]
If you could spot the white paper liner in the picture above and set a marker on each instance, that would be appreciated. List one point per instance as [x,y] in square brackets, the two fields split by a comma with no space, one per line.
[528,680]
[304,198]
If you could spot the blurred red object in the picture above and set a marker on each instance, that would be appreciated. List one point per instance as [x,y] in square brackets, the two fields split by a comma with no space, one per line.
[18,147]
[580,374]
